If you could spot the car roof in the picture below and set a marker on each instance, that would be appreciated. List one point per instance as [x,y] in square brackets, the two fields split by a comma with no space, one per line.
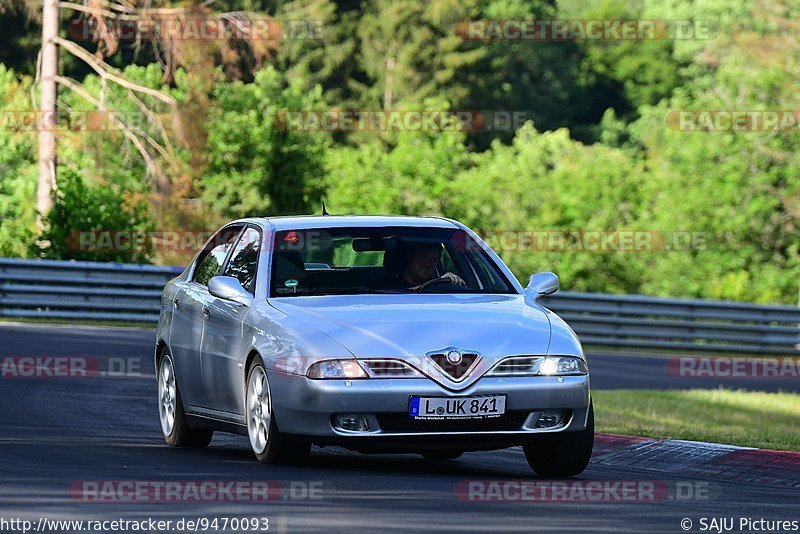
[304,222]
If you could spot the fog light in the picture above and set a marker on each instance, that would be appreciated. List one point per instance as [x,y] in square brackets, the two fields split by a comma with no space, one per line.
[353,423]
[549,419]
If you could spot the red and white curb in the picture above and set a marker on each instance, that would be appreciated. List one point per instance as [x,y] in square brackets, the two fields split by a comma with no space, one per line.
[697,458]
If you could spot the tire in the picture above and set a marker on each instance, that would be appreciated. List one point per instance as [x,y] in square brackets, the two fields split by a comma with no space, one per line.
[176,430]
[441,456]
[268,444]
[566,455]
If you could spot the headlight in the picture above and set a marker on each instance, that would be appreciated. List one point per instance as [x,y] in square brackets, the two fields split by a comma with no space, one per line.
[539,366]
[562,365]
[336,369]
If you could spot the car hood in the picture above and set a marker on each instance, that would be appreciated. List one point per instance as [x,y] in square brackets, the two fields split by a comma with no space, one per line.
[410,325]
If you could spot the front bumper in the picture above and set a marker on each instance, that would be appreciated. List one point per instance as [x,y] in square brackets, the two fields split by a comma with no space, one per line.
[307,407]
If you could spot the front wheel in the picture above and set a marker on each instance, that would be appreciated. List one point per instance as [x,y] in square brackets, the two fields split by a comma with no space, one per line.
[268,444]
[174,426]
[562,455]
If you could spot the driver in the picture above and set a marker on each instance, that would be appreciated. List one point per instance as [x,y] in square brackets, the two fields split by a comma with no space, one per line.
[420,267]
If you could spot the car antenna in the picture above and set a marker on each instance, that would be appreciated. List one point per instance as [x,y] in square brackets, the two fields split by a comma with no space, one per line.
[324,211]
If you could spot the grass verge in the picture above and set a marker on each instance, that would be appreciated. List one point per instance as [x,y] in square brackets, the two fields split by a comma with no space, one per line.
[736,417]
[72,322]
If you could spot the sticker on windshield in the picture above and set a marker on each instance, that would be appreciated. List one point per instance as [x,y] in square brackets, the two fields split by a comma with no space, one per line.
[291,282]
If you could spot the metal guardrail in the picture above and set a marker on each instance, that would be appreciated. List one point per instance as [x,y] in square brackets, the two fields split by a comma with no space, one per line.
[85,291]
[638,321]
[118,292]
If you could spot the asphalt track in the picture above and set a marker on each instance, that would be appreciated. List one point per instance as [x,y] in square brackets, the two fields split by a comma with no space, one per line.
[59,432]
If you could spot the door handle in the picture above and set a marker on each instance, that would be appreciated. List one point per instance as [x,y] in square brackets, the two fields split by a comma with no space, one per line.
[177,303]
[206,312]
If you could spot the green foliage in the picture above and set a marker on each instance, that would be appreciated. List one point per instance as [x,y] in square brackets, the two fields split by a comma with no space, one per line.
[410,178]
[256,166]
[542,78]
[103,153]
[602,156]
[410,51]
[94,212]
[18,169]
[740,193]
[546,183]
[641,71]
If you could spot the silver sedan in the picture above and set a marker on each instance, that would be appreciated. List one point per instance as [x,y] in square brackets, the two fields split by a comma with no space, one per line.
[379,334]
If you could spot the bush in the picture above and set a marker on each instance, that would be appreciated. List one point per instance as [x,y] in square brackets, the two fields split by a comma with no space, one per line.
[96,212]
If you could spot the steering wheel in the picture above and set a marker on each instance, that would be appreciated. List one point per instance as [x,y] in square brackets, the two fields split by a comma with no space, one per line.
[431,282]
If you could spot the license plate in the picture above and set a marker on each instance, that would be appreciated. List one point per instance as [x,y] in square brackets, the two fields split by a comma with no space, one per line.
[482,407]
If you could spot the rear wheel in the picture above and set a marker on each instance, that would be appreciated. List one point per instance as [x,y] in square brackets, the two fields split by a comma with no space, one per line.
[564,455]
[439,456]
[268,444]
[174,426]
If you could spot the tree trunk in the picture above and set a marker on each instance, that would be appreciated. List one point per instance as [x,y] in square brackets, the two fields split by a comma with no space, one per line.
[47,119]
[388,88]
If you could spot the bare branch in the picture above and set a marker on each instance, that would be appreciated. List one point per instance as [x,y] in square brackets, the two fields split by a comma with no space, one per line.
[114,6]
[107,71]
[153,119]
[37,78]
[94,11]
[152,167]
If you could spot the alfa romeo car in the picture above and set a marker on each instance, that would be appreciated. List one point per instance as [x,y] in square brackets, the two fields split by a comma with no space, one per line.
[378,334]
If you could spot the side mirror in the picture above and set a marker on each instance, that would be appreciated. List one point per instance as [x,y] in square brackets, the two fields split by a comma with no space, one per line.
[229,288]
[542,284]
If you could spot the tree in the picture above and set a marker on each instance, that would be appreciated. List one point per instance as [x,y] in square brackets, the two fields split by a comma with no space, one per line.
[738,189]
[545,185]
[47,95]
[80,206]
[18,170]
[411,52]
[411,177]
[256,166]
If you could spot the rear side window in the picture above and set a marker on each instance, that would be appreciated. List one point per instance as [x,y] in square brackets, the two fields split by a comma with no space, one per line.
[210,261]
[244,259]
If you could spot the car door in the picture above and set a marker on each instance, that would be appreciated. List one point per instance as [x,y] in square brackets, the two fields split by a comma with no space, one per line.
[223,346]
[186,334]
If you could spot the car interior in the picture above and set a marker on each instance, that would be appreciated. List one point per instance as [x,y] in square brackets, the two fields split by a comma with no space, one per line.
[320,277]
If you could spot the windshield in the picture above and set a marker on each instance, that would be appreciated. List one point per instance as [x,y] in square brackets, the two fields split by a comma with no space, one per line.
[351,261]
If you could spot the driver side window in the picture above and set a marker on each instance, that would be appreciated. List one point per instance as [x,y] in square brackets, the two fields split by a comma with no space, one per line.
[210,262]
[244,260]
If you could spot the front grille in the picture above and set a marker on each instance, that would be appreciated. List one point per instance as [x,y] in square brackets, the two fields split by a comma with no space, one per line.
[393,422]
[386,368]
[457,370]
[518,365]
